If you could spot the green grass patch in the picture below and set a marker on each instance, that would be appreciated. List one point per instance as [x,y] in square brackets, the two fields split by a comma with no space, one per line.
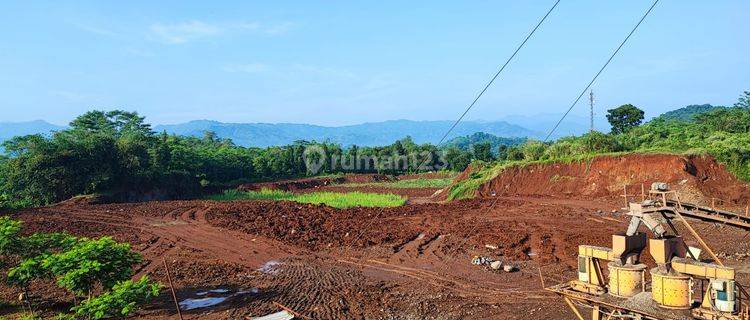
[264,194]
[351,199]
[332,199]
[405,184]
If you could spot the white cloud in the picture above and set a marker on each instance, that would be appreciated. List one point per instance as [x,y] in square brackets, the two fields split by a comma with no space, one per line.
[297,71]
[137,52]
[277,29]
[94,29]
[324,72]
[183,32]
[246,68]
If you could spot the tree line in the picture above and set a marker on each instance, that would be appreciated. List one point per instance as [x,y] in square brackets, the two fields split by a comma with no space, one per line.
[116,153]
[723,132]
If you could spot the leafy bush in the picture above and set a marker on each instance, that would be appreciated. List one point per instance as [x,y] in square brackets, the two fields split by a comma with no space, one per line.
[121,301]
[533,150]
[90,262]
[79,265]
[9,236]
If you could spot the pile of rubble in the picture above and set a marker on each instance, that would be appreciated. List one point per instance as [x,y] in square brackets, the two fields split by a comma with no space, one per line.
[492,264]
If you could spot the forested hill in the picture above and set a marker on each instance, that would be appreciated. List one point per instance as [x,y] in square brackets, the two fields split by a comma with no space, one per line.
[688,113]
[366,134]
[466,143]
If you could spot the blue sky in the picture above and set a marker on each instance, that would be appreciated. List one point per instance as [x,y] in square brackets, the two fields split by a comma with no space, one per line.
[346,62]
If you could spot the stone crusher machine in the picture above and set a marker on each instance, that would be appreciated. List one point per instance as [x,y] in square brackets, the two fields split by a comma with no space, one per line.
[681,286]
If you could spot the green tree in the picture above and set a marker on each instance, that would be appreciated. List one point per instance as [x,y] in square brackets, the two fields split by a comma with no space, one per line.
[116,123]
[624,118]
[514,153]
[743,101]
[456,159]
[483,151]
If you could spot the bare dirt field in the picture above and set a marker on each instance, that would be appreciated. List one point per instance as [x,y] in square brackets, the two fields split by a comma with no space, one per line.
[410,262]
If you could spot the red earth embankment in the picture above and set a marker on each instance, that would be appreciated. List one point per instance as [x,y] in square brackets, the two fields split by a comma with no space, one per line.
[696,177]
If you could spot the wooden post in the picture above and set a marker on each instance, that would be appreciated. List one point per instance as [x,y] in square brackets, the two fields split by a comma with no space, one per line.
[171,288]
[713,203]
[541,278]
[573,307]
[700,240]
[625,194]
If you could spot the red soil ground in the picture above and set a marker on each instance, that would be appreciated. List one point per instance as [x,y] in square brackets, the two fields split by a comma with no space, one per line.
[410,262]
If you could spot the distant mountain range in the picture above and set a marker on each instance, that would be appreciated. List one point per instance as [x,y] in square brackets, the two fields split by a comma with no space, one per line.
[369,134]
[9,130]
[366,134]
[267,134]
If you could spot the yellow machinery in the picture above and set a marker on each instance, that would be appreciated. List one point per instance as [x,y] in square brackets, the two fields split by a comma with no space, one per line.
[676,281]
[622,262]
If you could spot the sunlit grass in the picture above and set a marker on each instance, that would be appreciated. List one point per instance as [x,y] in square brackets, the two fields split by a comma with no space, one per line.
[351,199]
[403,184]
[264,194]
[332,199]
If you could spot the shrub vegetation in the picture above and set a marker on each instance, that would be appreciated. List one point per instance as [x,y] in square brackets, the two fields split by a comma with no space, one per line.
[722,132]
[83,266]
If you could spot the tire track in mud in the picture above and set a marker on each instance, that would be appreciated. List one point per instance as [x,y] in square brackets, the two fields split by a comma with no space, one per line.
[187,226]
[159,236]
[320,289]
[462,287]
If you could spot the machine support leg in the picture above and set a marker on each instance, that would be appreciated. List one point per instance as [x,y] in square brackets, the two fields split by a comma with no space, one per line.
[596,314]
[573,307]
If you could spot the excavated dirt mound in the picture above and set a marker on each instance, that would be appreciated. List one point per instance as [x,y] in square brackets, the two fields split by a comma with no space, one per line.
[696,177]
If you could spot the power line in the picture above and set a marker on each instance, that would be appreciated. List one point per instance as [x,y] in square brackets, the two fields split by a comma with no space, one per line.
[473,102]
[498,72]
[600,70]
[492,206]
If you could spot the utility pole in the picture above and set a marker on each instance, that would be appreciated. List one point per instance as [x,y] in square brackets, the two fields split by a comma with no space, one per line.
[591,110]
